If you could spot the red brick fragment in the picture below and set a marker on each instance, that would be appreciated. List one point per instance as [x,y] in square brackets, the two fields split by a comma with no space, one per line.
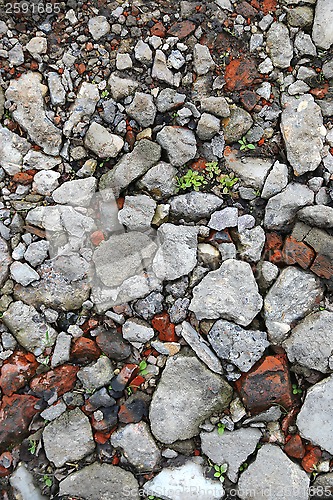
[240,74]
[158,30]
[323,267]
[199,165]
[273,248]
[62,378]
[16,371]
[311,458]
[84,350]
[166,329]
[294,447]
[320,92]
[136,382]
[182,29]
[297,252]
[268,6]
[23,178]
[97,237]
[266,384]
[127,372]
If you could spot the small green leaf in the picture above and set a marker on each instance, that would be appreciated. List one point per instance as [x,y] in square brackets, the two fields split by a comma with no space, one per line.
[217,474]
[143,365]
[251,146]
[217,468]
[144,372]
[223,468]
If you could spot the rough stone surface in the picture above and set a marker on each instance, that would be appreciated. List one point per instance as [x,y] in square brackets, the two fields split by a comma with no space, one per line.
[98,27]
[142,109]
[321,31]
[227,217]
[194,205]
[202,59]
[104,144]
[179,143]
[318,215]
[252,171]
[12,149]
[137,212]
[237,124]
[279,45]
[97,375]
[208,126]
[76,193]
[160,181]
[217,106]
[5,260]
[83,106]
[137,331]
[251,242]
[276,180]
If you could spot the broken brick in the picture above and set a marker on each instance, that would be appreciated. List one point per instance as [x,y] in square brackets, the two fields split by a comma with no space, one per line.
[268,6]
[294,447]
[182,29]
[323,267]
[16,371]
[297,252]
[240,74]
[311,458]
[119,382]
[62,379]
[134,409]
[23,178]
[166,329]
[158,30]
[97,237]
[84,350]
[273,248]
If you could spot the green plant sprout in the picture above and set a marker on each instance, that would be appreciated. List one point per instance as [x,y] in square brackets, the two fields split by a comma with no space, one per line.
[296,389]
[212,169]
[32,446]
[191,179]
[105,93]
[220,428]
[143,367]
[47,480]
[175,114]
[243,467]
[244,145]
[151,497]
[227,181]
[220,470]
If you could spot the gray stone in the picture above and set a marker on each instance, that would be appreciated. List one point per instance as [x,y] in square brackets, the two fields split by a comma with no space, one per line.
[12,149]
[303,132]
[2,103]
[83,106]
[282,208]
[137,332]
[45,181]
[310,342]
[150,305]
[185,482]
[176,59]
[233,344]
[279,46]
[68,438]
[294,295]
[23,274]
[251,171]
[161,72]
[200,347]
[276,180]
[27,94]
[179,143]
[160,181]
[314,421]
[137,213]
[54,411]
[37,160]
[318,215]
[137,445]
[328,72]
[216,106]
[208,126]
[5,261]
[62,349]
[36,252]
[209,255]
[77,193]
[37,45]
[179,310]
[321,32]
[103,481]
[268,272]
[143,53]
[217,145]
[231,448]
[15,55]
[238,123]
[251,243]
[97,375]
[177,415]
[227,217]
[22,481]
[202,60]
[121,87]
[304,45]
[131,166]
[177,252]
[98,27]
[194,205]
[299,87]
[300,16]
[230,292]
[104,144]
[271,472]
[56,88]
[123,61]
[323,485]
[227,251]
[142,109]
[169,99]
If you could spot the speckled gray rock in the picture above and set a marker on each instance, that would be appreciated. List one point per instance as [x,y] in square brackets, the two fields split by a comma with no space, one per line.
[98,27]
[216,106]
[83,106]
[97,375]
[321,32]
[202,60]
[279,45]
[62,348]
[36,252]
[160,181]
[104,144]
[143,53]
[121,87]
[251,243]
[251,171]
[233,344]
[230,292]
[231,448]
[103,481]
[314,421]
[318,215]
[138,212]
[179,144]
[142,109]
[294,295]
[12,150]
[221,219]
[276,180]
[137,332]
[310,342]
[200,392]
[76,193]
[208,126]
[271,472]
[138,446]
[56,88]
[194,205]
[238,123]
[169,99]
[303,132]
[5,261]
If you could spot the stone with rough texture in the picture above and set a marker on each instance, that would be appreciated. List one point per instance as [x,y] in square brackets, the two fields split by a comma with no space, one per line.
[98,27]
[294,295]
[142,109]
[194,205]
[83,106]
[221,219]
[310,342]
[237,124]
[314,421]
[5,260]
[161,72]
[27,93]
[23,483]
[216,106]
[303,133]
[279,46]
[143,53]
[200,392]
[97,375]
[77,193]
[177,252]
[271,472]
[16,413]
[251,171]
[104,144]
[318,215]
[138,446]
[276,180]
[231,448]
[235,345]
[137,213]
[23,274]
[251,243]
[202,60]
[121,87]
[160,181]
[12,150]
[322,27]
[208,126]
[230,292]
[179,143]
[137,332]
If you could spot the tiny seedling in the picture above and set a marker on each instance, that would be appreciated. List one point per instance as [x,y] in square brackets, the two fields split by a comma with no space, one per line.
[244,145]
[175,114]
[191,179]
[151,497]
[143,367]
[105,93]
[322,308]
[227,182]
[129,390]
[243,467]
[220,470]
[47,340]
[47,480]
[220,428]
[212,169]
[296,389]
[32,446]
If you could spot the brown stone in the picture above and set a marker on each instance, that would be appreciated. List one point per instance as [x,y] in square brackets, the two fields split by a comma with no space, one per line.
[297,252]
[16,371]
[166,329]
[273,248]
[246,10]
[62,379]
[311,458]
[294,447]
[268,5]
[323,266]
[249,99]
[158,30]
[84,351]
[240,74]
[182,29]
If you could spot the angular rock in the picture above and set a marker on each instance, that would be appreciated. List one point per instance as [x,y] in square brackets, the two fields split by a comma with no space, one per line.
[169,99]
[318,215]
[237,124]
[83,106]
[112,344]
[279,46]
[97,375]
[160,181]
[303,133]
[233,344]
[137,332]
[200,392]
[161,72]
[271,471]
[251,243]
[68,438]
[179,143]
[45,181]
[22,481]
[27,94]
[56,382]
[104,144]
[321,31]
[194,205]
[5,261]
[208,126]
[276,180]
[98,27]
[131,166]
[202,60]
[16,371]
[294,295]
[76,193]
[224,218]
[138,446]
[143,53]
[121,87]
[36,252]
[23,274]
[137,213]
[142,109]
[230,292]
[37,45]
[217,106]
[61,351]
[252,171]
[12,150]
[56,88]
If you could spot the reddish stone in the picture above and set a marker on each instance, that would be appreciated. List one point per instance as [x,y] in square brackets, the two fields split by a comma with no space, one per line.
[120,202]
[199,165]
[182,29]
[297,252]
[294,447]
[323,267]
[158,30]
[102,437]
[115,460]
[16,371]
[166,329]
[34,65]
[240,74]
[16,413]
[249,99]
[133,410]
[97,237]
[246,10]
[266,384]
[130,138]
[136,382]
[89,46]
[268,6]
[311,458]
[88,325]
[23,178]
[109,421]
[6,462]
[62,378]
[273,248]
[84,350]
[128,371]
[80,68]
[320,92]
[289,420]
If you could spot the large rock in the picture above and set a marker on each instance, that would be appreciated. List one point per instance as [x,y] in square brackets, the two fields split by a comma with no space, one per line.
[279,46]
[142,109]
[83,106]
[160,181]
[101,481]
[131,166]
[276,180]
[22,482]
[194,205]
[186,482]
[251,171]
[97,375]
[318,215]
[235,345]
[294,295]
[177,252]
[237,124]
[187,393]
[202,60]
[77,193]
[27,94]
[12,150]
[310,342]
[282,208]
[5,260]
[314,421]
[121,87]
[230,292]
[28,327]
[179,143]
[303,133]
[273,472]
[104,144]
[322,27]
[137,213]
[161,72]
